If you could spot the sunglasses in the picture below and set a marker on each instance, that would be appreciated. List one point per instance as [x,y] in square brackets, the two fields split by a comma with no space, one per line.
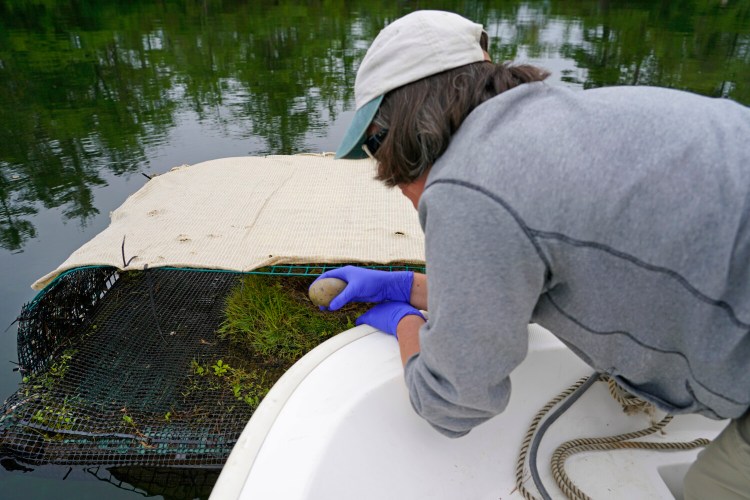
[373,142]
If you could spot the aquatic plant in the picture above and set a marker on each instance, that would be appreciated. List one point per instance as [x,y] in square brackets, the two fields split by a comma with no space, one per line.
[274,318]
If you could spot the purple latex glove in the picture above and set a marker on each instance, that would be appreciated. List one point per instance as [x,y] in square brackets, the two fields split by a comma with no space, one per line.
[386,316]
[369,285]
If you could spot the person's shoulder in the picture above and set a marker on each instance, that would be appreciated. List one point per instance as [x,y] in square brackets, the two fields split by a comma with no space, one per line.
[524,96]
[530,91]
[648,92]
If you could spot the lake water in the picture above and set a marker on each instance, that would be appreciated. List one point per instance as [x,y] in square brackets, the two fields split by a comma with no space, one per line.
[93,94]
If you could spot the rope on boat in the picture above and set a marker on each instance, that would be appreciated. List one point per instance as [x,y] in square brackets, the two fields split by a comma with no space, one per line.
[631,404]
[532,430]
[621,441]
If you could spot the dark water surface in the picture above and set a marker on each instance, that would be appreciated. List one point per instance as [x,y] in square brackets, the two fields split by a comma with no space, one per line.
[95,93]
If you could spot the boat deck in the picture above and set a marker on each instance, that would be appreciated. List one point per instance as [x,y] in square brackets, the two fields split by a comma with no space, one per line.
[339,425]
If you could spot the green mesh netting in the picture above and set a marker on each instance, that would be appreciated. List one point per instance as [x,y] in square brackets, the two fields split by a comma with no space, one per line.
[107,357]
[115,371]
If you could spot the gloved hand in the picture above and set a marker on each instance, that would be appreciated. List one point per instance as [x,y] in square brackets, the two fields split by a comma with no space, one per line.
[370,285]
[386,316]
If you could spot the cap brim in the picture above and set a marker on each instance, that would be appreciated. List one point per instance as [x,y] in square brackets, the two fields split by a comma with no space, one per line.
[351,145]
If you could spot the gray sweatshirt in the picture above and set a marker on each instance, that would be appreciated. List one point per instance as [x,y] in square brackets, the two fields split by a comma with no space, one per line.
[617,218]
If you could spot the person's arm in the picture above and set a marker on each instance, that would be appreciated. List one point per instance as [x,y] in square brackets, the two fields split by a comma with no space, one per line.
[402,319]
[418,297]
[408,336]
[485,276]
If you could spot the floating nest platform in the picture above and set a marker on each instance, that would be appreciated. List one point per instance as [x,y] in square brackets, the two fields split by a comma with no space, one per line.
[123,369]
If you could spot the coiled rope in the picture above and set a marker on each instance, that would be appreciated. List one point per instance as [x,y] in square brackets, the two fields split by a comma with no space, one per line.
[631,404]
[520,463]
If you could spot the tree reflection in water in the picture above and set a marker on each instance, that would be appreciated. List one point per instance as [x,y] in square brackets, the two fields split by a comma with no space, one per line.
[93,87]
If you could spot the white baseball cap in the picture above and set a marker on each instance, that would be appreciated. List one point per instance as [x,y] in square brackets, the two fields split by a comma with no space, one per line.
[418,45]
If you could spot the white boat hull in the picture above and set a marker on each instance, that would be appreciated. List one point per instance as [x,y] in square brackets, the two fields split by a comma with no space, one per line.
[339,425]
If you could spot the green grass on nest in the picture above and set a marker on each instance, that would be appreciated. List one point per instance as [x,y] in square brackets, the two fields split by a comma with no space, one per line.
[270,324]
[273,317]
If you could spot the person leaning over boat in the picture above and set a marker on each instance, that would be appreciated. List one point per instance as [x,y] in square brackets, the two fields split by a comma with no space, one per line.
[617,218]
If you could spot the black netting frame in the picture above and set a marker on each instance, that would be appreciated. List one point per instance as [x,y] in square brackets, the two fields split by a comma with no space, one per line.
[107,363]
[109,370]
[53,319]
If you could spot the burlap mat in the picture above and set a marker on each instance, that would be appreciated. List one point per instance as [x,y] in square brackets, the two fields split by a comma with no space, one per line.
[244,213]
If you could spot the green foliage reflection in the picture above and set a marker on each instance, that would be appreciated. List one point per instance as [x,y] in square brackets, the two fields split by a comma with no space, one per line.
[91,87]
